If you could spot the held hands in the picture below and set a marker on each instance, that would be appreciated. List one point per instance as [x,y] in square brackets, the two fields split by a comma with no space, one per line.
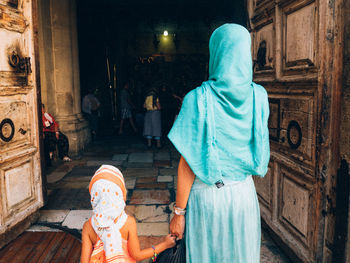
[177,226]
[170,241]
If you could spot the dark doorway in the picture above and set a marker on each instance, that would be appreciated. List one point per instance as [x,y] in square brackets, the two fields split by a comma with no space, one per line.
[126,40]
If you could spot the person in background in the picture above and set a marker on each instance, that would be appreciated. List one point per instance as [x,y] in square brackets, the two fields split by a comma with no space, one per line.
[90,108]
[153,124]
[110,235]
[167,114]
[125,108]
[53,137]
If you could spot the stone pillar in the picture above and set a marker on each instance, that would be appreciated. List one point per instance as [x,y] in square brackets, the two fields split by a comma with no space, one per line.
[60,70]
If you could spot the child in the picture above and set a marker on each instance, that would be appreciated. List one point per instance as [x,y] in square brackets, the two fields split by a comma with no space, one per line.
[110,235]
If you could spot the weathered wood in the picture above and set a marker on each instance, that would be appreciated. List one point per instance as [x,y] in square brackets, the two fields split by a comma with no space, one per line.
[11,19]
[301,71]
[40,247]
[20,180]
[12,79]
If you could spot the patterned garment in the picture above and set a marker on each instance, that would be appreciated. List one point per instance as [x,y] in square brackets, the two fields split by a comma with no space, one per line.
[126,113]
[108,195]
[62,143]
[98,253]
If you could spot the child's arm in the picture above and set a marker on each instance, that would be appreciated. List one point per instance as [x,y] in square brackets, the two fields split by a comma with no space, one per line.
[134,244]
[86,247]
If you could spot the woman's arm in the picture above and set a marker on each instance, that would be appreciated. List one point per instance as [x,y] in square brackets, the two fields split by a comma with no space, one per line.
[134,244]
[185,179]
[86,247]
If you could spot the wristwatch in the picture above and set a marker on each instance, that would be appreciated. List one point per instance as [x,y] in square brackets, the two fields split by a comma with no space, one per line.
[179,211]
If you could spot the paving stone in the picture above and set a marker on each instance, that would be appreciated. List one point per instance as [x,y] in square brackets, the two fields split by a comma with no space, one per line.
[169,172]
[53,216]
[152,186]
[149,241]
[144,157]
[63,168]
[145,180]
[162,156]
[137,165]
[55,177]
[147,214]
[82,171]
[130,210]
[267,255]
[76,219]
[72,199]
[175,182]
[152,229]
[143,197]
[140,172]
[175,164]
[101,162]
[130,183]
[37,228]
[165,179]
[120,157]
[69,185]
[77,179]
[164,164]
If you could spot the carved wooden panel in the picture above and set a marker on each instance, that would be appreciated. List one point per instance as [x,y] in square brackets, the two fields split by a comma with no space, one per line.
[264,187]
[299,39]
[263,49]
[296,204]
[292,125]
[16,131]
[18,182]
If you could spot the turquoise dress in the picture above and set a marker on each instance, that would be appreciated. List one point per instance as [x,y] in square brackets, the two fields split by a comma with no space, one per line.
[222,133]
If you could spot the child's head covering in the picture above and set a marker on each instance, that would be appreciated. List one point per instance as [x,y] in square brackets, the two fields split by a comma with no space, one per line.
[108,195]
[222,126]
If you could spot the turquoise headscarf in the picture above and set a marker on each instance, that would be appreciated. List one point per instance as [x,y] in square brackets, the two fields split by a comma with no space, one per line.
[221,130]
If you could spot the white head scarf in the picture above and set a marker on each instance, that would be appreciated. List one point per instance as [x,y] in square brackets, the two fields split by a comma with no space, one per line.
[108,194]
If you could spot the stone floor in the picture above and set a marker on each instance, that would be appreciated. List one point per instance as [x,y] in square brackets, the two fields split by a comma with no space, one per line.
[151,182]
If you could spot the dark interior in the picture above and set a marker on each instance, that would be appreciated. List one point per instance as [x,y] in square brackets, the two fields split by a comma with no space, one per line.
[123,40]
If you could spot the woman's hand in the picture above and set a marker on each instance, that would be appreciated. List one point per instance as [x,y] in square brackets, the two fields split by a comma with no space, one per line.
[170,241]
[177,226]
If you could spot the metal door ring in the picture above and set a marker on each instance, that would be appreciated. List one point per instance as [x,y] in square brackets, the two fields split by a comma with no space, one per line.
[294,134]
[7,130]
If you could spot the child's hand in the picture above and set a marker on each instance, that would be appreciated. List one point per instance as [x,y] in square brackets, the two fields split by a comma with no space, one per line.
[170,241]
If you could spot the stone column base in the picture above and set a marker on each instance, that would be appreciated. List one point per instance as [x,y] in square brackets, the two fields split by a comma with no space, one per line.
[76,128]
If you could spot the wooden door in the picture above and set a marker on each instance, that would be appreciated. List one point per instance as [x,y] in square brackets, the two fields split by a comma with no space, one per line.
[296,45]
[20,170]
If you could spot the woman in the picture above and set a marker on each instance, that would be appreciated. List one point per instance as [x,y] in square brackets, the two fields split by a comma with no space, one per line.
[222,135]
[153,126]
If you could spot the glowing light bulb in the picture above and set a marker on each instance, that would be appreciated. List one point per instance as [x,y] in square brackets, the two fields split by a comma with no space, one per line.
[165,33]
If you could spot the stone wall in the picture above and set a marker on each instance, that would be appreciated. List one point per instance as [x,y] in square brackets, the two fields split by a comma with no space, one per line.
[59,69]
